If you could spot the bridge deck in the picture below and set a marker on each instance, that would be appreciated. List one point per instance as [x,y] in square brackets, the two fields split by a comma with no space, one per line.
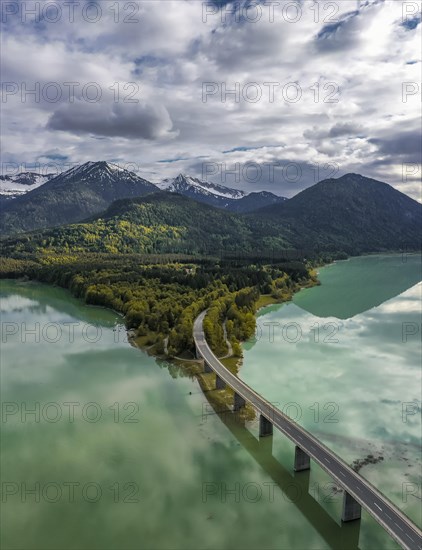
[399,526]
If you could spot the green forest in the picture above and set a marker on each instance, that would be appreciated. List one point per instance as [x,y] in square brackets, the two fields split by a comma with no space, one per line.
[348,216]
[160,296]
[152,225]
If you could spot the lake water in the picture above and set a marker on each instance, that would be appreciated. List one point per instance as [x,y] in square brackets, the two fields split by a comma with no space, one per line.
[104,447]
[344,360]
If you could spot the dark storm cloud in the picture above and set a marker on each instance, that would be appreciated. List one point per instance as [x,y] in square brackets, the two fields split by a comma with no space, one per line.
[406,146]
[116,120]
[345,129]
[284,177]
[340,129]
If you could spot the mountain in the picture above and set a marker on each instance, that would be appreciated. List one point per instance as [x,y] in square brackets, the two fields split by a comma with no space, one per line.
[157,223]
[254,201]
[353,213]
[217,195]
[90,188]
[185,185]
[71,197]
[12,186]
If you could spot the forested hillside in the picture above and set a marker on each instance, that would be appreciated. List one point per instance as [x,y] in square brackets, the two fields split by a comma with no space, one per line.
[352,213]
[161,301]
[349,215]
[159,223]
[71,197]
[162,258]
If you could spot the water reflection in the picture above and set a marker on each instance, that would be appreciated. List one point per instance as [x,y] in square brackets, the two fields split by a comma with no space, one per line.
[161,462]
[355,381]
[357,285]
[169,455]
[295,485]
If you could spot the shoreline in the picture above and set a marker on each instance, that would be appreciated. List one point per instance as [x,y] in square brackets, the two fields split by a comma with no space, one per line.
[133,336]
[219,397]
[268,299]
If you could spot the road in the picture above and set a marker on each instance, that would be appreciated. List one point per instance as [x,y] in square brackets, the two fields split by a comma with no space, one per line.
[399,526]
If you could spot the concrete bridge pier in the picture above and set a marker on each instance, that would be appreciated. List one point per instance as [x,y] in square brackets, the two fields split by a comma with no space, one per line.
[219,383]
[302,460]
[239,402]
[351,508]
[265,426]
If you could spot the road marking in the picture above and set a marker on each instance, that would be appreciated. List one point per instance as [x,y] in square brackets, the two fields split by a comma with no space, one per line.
[204,351]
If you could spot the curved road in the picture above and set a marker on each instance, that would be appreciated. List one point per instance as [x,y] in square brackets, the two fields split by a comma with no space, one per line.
[399,526]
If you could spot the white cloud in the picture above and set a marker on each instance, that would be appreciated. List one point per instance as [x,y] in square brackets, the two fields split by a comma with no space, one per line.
[362,48]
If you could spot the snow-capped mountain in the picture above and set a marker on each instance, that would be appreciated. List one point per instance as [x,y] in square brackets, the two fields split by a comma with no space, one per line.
[217,195]
[103,175]
[187,185]
[12,186]
[72,196]
[90,188]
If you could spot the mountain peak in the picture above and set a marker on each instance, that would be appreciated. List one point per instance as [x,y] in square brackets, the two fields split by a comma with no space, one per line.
[354,177]
[102,171]
[351,175]
[98,166]
[80,191]
[358,182]
[218,195]
[353,213]
[13,186]
[195,188]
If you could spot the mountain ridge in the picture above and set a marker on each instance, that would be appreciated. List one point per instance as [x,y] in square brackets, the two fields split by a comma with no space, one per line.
[87,189]
[12,186]
[72,196]
[363,213]
[234,200]
[350,215]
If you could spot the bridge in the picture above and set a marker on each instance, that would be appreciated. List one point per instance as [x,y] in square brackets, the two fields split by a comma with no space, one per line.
[358,492]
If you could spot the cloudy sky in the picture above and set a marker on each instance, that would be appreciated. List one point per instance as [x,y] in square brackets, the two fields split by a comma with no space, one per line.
[256,95]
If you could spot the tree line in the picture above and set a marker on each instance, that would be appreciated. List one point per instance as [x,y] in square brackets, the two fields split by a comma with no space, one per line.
[161,301]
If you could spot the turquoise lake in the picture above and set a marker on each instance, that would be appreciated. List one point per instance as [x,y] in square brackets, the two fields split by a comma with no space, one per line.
[344,360]
[105,447]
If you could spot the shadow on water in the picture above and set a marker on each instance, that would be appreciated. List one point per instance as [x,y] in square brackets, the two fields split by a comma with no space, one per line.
[344,536]
[338,536]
